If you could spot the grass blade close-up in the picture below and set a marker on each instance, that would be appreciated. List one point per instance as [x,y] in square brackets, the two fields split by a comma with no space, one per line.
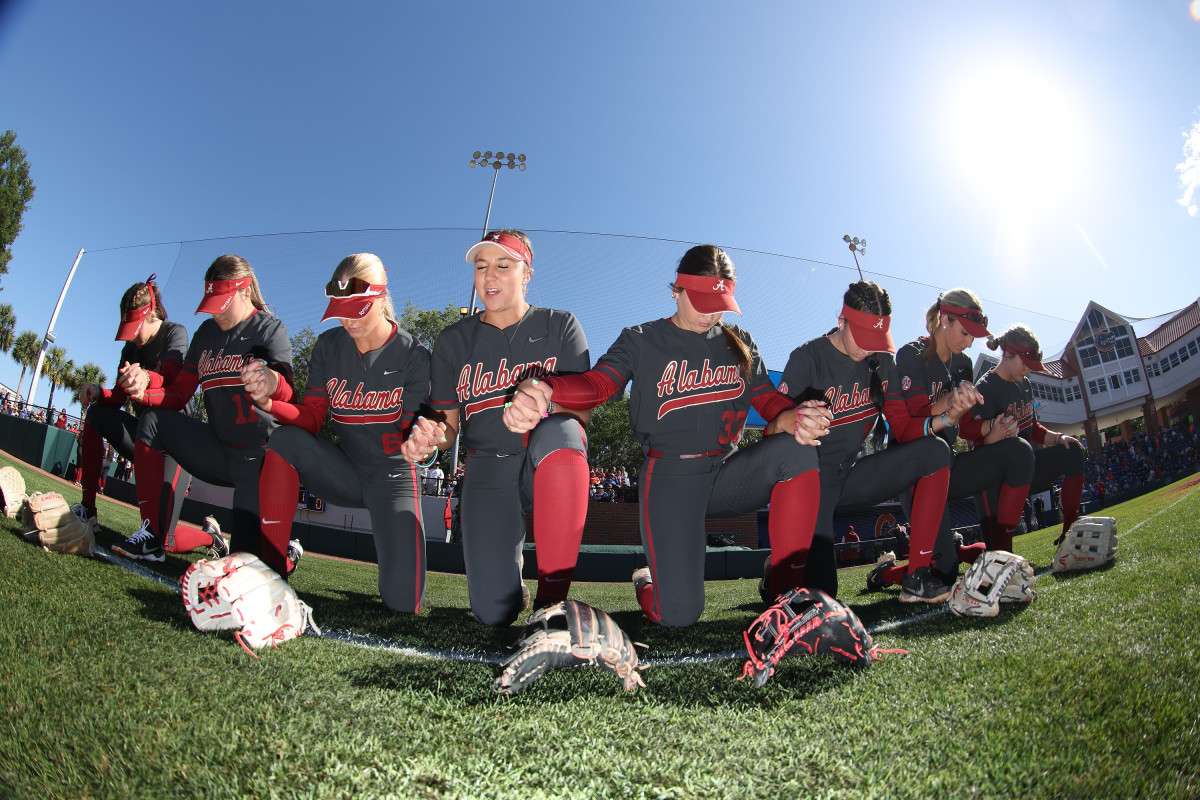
[107,690]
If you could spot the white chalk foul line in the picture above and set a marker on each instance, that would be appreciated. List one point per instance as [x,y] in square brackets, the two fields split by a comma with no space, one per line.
[482,657]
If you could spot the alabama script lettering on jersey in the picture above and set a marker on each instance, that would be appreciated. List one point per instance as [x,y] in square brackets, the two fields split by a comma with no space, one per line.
[1005,397]
[696,399]
[677,378]
[475,367]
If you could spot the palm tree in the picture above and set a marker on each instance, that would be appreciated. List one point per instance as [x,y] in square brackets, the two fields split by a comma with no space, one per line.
[25,350]
[88,373]
[8,325]
[59,369]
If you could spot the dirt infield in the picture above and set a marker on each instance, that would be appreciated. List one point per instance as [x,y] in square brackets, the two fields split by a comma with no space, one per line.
[1188,484]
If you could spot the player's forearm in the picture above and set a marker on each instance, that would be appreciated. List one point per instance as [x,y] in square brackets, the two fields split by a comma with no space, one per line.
[583,391]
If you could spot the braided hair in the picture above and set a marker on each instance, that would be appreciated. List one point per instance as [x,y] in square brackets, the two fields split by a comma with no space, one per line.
[141,294]
[710,260]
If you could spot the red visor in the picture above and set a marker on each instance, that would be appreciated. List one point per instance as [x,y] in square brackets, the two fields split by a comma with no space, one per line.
[351,298]
[131,321]
[973,320]
[219,294]
[871,332]
[708,294]
[506,242]
[1031,358]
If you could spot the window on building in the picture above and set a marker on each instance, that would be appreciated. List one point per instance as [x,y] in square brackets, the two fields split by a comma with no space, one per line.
[1094,386]
[1154,373]
[1183,353]
[1133,376]
[1165,364]
[1114,381]
[1174,359]
[1192,347]
[1077,392]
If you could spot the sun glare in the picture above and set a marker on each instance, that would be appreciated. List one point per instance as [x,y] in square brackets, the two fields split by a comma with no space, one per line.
[1017,135]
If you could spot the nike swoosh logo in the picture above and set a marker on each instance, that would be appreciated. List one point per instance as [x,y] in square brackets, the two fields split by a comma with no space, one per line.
[531,341]
[269,521]
[397,475]
[926,552]
[390,371]
[243,338]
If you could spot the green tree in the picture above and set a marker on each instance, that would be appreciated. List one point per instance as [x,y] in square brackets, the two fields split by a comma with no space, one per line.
[8,327]
[16,190]
[426,324]
[25,351]
[610,440]
[303,343]
[88,373]
[58,368]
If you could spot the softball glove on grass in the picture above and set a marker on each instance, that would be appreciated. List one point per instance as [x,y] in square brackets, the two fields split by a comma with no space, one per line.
[810,620]
[1091,542]
[570,634]
[241,592]
[996,577]
[12,492]
[50,522]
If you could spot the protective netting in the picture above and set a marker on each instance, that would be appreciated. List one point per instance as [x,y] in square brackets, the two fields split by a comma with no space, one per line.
[608,281]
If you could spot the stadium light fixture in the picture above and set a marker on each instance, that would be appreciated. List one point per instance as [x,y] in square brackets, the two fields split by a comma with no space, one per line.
[856,246]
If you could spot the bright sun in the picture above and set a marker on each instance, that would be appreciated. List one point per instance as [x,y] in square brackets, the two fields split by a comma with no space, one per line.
[1017,135]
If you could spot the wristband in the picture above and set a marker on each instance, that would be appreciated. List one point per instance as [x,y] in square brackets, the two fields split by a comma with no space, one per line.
[945,422]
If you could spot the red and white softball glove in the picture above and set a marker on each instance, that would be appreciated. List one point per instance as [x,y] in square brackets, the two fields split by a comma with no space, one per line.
[241,592]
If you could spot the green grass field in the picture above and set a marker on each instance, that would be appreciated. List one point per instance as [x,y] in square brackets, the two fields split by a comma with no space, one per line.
[106,690]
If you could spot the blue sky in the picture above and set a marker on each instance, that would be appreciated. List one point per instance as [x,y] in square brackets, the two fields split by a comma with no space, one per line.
[1028,150]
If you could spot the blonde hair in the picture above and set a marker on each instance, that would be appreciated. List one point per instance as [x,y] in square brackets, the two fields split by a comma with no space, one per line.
[368,267]
[963,298]
[231,268]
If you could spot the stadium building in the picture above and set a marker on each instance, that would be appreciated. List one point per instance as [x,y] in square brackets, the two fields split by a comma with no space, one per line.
[1109,376]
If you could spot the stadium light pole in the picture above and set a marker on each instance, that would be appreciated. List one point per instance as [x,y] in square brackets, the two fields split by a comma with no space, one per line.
[49,339]
[856,246]
[495,161]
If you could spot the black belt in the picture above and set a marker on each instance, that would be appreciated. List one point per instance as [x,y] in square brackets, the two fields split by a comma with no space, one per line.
[655,454]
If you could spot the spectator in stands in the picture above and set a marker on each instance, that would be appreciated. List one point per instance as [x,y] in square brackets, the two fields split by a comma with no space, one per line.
[850,554]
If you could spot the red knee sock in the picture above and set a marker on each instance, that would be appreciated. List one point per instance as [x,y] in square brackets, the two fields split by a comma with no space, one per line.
[560,499]
[185,539]
[645,598]
[794,506]
[1072,491]
[1008,513]
[148,473]
[91,450]
[969,553]
[278,488]
[929,503]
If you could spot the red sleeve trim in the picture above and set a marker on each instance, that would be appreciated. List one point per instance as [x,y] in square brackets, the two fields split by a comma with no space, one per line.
[771,404]
[309,414]
[582,391]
